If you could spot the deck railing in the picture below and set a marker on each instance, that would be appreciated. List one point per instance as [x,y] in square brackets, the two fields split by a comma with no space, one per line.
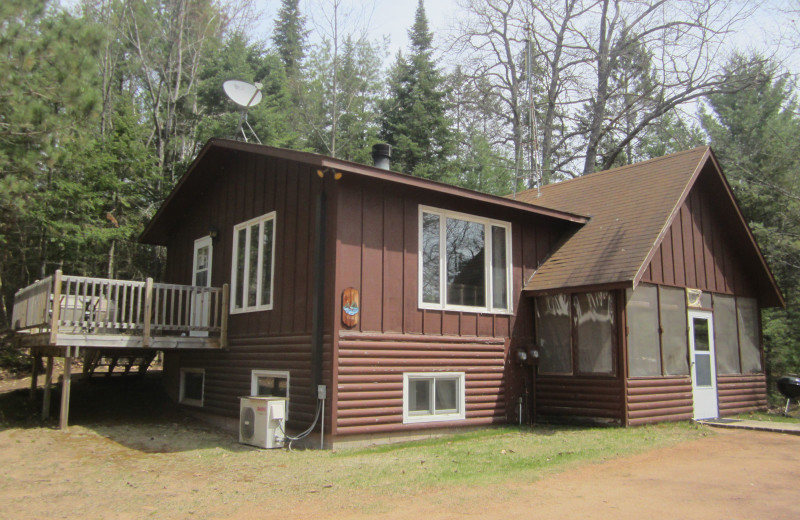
[105,306]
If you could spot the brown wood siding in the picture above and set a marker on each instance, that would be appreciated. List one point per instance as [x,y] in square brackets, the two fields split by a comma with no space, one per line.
[376,253]
[246,187]
[370,378]
[741,393]
[697,250]
[656,399]
[228,374]
[580,396]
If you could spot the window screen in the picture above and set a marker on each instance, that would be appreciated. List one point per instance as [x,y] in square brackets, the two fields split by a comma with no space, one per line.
[747,311]
[553,334]
[674,338]
[644,350]
[726,338]
[594,320]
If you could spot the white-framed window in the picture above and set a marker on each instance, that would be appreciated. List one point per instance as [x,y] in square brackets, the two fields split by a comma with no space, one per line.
[270,383]
[252,268]
[464,262]
[433,396]
[192,386]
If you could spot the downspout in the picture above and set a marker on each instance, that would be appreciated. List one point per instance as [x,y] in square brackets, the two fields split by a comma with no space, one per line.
[318,305]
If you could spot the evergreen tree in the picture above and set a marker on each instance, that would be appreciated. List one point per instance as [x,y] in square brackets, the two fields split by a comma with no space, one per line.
[289,36]
[754,133]
[414,116]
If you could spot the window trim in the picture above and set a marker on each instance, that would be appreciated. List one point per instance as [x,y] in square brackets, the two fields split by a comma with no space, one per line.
[260,220]
[489,281]
[182,388]
[460,415]
[256,373]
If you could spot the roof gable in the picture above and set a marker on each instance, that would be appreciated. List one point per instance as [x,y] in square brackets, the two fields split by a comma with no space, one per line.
[631,210]
[210,163]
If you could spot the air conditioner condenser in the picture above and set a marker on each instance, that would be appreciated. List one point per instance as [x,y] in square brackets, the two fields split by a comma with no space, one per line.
[262,421]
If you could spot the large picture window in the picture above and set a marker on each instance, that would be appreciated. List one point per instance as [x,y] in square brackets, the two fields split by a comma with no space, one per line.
[433,396]
[253,264]
[464,262]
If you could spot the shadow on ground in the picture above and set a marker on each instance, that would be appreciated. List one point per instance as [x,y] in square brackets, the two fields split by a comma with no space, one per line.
[133,412]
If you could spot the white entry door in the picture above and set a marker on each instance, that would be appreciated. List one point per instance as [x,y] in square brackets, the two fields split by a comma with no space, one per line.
[704,373]
[201,277]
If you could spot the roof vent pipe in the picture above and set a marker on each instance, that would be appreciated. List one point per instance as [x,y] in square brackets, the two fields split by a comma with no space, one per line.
[382,155]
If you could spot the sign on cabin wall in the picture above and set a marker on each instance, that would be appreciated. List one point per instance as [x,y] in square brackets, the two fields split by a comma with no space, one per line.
[350,307]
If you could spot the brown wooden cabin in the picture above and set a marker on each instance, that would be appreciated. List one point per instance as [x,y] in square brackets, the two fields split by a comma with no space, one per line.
[424,307]
[595,275]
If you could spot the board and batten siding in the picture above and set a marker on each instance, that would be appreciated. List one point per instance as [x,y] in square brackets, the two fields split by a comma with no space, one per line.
[697,250]
[245,186]
[377,245]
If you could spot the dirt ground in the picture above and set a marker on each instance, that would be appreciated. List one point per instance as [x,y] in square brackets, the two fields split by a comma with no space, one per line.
[113,469]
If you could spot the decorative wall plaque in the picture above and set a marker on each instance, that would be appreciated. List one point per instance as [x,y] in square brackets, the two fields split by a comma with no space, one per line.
[350,307]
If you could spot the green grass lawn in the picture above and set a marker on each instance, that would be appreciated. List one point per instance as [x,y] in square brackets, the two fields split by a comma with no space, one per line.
[772,416]
[501,454]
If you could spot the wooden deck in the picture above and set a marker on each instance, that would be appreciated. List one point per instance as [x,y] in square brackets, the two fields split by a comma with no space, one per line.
[64,311]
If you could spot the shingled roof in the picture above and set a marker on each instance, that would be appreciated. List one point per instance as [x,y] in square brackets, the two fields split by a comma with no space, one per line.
[630,210]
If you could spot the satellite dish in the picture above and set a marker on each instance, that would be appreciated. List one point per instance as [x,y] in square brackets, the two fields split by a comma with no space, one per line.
[243,93]
[246,95]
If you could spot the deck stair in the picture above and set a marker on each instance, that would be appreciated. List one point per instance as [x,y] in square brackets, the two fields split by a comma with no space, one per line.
[117,363]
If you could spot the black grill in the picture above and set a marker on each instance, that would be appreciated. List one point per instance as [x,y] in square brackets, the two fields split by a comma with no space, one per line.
[789,386]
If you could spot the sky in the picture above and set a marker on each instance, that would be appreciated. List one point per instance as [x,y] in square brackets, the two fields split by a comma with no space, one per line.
[393,18]
[390,18]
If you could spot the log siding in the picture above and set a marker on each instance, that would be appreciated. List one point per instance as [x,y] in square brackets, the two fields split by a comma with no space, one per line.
[370,378]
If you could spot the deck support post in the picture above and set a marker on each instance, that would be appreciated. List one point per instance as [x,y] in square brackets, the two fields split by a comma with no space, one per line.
[35,362]
[65,387]
[223,326]
[48,383]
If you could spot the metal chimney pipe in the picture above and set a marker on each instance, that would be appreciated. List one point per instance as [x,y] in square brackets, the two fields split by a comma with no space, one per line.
[382,155]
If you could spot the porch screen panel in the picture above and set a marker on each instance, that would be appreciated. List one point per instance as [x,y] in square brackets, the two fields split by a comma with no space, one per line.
[644,351]
[726,338]
[553,334]
[674,338]
[594,322]
[747,312]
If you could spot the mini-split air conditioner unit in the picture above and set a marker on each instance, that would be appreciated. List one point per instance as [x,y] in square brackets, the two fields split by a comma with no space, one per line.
[262,421]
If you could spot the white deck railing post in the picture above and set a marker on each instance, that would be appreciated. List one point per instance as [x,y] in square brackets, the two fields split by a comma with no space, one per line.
[56,315]
[148,306]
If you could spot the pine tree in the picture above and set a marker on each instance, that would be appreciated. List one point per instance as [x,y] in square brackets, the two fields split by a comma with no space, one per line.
[414,116]
[289,36]
[754,134]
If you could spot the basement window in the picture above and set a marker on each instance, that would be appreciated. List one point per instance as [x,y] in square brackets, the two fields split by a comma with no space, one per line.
[253,264]
[192,385]
[464,262]
[433,396]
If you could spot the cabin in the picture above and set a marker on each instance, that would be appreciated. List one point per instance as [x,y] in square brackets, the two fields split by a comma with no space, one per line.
[414,307]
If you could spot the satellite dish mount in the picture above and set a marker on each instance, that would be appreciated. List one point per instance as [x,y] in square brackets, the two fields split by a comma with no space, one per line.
[246,95]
